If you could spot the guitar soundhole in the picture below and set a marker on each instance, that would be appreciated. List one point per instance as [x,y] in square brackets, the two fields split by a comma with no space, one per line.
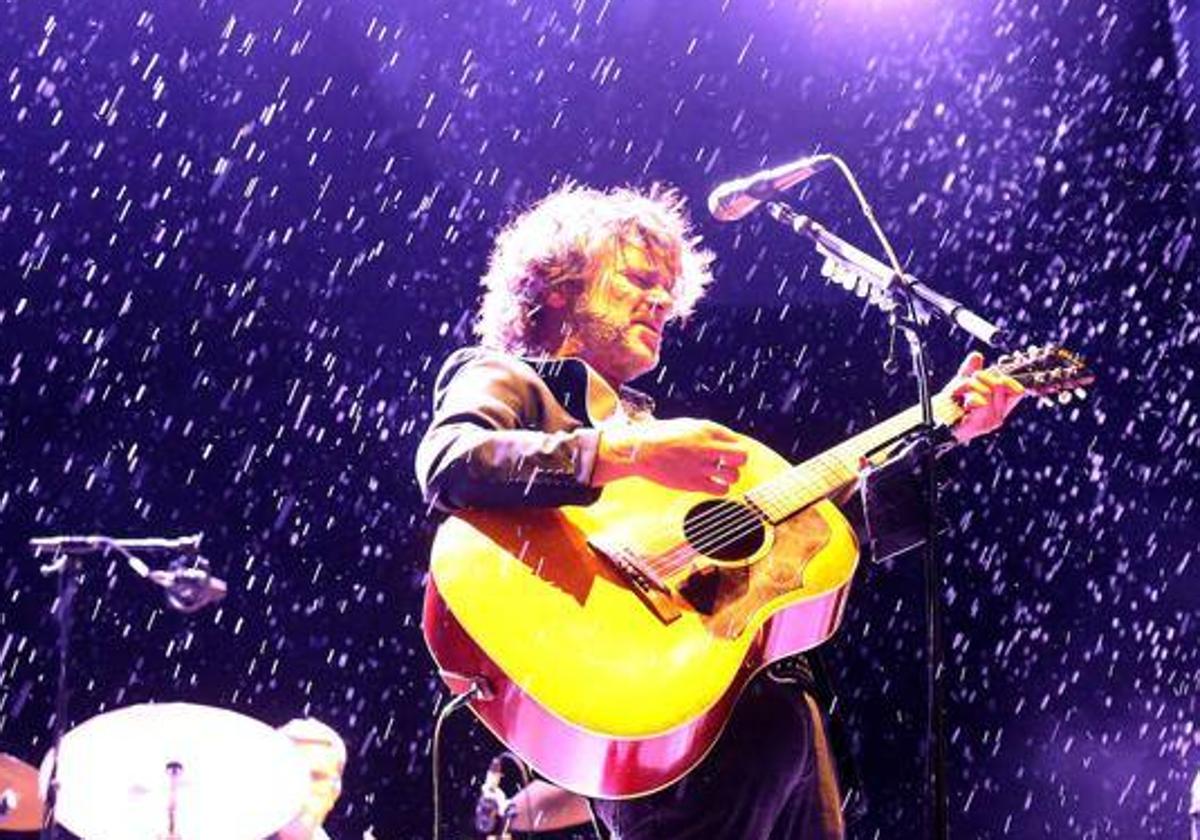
[724,530]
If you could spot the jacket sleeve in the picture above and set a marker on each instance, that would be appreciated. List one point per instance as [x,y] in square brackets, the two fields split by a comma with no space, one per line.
[486,447]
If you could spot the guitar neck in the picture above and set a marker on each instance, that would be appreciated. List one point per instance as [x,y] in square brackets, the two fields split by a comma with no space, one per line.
[837,468]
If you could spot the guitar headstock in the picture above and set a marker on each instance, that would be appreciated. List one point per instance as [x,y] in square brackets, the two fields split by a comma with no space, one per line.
[1048,371]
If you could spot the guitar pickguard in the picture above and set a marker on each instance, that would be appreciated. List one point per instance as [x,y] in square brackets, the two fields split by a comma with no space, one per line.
[736,594]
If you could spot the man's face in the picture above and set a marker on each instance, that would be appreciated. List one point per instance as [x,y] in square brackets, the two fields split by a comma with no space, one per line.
[618,321]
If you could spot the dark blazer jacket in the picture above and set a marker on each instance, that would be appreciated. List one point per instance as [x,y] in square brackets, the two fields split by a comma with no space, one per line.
[510,432]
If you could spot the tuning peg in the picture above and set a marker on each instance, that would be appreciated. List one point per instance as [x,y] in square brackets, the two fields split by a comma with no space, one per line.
[1064,397]
[1080,393]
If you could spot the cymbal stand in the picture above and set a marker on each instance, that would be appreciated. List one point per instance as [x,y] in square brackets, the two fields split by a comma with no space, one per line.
[64,561]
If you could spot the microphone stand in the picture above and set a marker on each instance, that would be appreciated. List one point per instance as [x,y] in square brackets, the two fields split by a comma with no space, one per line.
[909,304]
[64,562]
[888,287]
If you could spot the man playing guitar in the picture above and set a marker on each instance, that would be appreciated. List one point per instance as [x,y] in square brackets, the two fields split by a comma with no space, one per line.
[576,297]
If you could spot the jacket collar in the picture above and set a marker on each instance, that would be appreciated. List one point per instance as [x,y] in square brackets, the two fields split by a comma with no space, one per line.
[601,399]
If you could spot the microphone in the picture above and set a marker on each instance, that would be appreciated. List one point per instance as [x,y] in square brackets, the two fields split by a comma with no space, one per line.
[189,585]
[732,200]
[188,580]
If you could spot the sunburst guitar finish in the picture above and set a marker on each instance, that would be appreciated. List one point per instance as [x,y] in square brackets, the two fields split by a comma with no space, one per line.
[611,641]
[607,644]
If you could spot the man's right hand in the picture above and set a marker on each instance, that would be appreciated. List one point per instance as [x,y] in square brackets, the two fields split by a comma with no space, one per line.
[684,454]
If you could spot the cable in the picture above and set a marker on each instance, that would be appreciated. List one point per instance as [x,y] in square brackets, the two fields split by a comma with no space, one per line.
[935,754]
[595,822]
[526,781]
[519,763]
[456,703]
[869,213]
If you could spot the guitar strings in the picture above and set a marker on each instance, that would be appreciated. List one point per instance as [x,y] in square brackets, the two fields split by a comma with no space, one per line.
[728,524]
[733,522]
[729,517]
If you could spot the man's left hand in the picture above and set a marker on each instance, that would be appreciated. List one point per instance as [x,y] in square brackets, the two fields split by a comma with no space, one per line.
[987,398]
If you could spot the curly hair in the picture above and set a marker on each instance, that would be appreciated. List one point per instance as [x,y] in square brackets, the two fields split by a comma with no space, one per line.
[560,240]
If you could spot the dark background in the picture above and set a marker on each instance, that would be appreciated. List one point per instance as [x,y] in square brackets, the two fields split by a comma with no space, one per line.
[238,238]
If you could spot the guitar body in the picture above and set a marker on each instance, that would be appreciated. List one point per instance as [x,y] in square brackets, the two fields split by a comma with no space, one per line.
[605,689]
[608,644]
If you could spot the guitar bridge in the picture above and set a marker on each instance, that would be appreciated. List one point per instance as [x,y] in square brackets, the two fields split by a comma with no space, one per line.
[649,586]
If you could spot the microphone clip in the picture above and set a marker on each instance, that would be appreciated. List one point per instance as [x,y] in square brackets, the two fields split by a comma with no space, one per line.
[189,583]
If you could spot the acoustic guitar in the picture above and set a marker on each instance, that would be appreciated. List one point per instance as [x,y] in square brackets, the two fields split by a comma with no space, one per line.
[607,644]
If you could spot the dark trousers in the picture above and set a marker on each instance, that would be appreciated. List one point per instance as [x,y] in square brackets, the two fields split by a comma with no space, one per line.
[770,777]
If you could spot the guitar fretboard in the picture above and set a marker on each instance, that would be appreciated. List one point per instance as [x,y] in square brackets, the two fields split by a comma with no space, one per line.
[836,468]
